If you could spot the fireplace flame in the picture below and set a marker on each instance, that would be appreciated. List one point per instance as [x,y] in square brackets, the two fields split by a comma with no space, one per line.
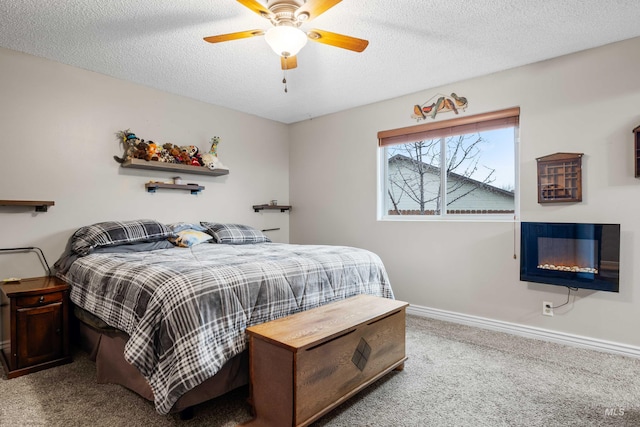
[571,269]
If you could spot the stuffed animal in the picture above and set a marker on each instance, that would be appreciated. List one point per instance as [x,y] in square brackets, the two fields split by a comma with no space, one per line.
[191,150]
[152,151]
[214,145]
[175,153]
[210,159]
[140,151]
[129,141]
[184,157]
[212,162]
[164,154]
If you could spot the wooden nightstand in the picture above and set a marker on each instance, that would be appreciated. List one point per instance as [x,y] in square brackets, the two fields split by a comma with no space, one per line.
[35,325]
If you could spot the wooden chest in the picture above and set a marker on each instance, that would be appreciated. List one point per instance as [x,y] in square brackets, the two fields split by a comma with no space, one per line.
[304,365]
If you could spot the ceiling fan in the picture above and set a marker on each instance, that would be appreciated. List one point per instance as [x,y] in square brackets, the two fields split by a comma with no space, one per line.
[285,37]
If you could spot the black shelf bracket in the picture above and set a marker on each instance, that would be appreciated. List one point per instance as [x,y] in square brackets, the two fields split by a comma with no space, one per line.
[193,188]
[258,208]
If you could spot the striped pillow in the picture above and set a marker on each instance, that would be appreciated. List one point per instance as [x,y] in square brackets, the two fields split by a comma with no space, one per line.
[235,234]
[113,233]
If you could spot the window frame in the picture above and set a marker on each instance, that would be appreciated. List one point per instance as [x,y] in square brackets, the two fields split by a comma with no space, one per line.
[442,129]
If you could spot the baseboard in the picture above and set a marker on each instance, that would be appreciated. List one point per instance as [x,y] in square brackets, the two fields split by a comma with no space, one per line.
[526,331]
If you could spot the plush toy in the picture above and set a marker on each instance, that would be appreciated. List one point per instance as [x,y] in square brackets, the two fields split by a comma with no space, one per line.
[196,156]
[214,145]
[175,153]
[129,140]
[140,151]
[210,159]
[164,154]
[212,162]
[183,157]
[152,151]
[191,150]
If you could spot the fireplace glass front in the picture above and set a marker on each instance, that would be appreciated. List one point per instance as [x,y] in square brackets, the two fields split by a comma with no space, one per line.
[571,254]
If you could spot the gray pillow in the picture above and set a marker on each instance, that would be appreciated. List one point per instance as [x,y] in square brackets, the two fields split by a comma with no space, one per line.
[114,233]
[234,234]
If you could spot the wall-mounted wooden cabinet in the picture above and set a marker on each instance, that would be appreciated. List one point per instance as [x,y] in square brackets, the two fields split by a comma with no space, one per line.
[560,178]
[636,150]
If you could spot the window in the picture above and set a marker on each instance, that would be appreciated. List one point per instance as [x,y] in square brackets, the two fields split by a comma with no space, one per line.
[453,169]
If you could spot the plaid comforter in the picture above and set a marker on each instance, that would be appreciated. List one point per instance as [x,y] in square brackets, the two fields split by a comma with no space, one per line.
[186,309]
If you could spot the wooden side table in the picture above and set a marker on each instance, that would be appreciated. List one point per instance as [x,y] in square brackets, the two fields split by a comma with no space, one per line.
[34,334]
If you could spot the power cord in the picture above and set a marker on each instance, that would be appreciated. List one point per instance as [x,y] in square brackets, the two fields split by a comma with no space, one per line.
[30,248]
[569,289]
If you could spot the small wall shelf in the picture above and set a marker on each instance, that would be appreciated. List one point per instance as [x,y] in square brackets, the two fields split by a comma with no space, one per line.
[153,186]
[172,167]
[560,178]
[40,206]
[258,208]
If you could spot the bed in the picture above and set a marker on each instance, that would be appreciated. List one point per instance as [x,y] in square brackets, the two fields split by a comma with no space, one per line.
[163,308]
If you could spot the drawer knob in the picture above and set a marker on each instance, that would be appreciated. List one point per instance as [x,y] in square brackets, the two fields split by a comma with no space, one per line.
[41,300]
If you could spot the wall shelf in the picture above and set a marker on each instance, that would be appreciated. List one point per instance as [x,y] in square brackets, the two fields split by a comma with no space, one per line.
[283,208]
[153,186]
[172,167]
[560,178]
[40,205]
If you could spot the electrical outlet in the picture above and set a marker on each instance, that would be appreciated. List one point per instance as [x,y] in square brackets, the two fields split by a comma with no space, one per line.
[547,308]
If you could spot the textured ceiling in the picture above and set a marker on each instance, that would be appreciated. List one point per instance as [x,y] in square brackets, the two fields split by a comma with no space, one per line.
[413,45]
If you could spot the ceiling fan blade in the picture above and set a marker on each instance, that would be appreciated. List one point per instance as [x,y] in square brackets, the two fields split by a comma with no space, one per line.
[289,62]
[256,7]
[338,40]
[234,36]
[314,8]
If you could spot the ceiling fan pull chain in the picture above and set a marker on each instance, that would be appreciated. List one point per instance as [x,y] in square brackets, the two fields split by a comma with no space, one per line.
[284,81]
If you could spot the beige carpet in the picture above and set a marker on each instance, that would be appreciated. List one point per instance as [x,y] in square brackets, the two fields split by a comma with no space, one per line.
[455,376]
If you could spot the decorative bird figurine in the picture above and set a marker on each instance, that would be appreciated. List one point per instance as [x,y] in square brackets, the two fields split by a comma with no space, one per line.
[438,105]
[460,100]
[428,108]
[448,103]
[418,112]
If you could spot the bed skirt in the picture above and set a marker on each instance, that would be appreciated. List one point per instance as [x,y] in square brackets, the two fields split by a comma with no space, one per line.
[105,346]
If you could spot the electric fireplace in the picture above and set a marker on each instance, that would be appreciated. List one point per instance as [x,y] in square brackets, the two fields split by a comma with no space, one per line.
[575,255]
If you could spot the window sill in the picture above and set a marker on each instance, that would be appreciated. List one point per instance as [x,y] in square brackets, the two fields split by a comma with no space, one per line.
[449,218]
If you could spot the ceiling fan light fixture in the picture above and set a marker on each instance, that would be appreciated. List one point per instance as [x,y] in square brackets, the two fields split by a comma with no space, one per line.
[286,40]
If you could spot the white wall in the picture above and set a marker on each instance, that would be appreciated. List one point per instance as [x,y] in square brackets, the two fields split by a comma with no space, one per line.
[585,102]
[58,126]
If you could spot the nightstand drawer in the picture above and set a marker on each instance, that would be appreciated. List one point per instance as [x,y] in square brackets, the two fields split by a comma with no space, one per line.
[37,300]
